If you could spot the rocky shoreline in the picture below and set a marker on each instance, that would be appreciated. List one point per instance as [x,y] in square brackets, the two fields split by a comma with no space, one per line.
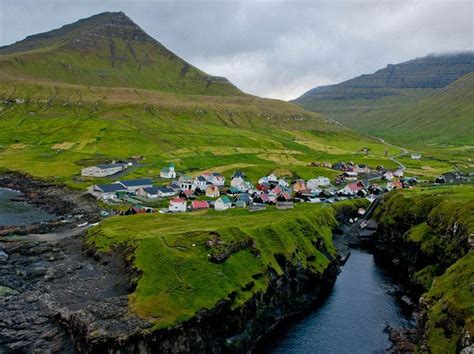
[57,297]
[61,296]
[71,207]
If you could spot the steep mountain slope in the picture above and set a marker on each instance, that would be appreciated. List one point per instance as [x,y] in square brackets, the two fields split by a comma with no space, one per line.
[107,49]
[413,99]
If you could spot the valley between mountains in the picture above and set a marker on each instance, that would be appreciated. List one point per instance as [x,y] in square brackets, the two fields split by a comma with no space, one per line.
[225,214]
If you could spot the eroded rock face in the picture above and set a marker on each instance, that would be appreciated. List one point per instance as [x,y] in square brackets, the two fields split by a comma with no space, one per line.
[51,282]
[65,300]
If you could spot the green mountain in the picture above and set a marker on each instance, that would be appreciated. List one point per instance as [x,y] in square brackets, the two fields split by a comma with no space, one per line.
[423,102]
[101,89]
[107,49]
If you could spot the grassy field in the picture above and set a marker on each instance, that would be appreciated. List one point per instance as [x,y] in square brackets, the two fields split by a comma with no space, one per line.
[178,277]
[60,129]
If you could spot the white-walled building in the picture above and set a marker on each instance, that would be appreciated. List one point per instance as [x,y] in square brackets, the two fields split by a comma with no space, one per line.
[177,205]
[168,172]
[106,191]
[103,170]
[223,203]
[318,182]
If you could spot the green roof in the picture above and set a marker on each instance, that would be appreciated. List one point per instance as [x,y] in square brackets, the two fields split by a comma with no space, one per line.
[225,199]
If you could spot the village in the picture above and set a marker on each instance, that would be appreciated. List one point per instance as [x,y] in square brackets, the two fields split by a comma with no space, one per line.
[184,193]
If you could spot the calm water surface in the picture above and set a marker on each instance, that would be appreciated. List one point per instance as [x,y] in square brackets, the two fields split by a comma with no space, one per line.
[353,317]
[19,213]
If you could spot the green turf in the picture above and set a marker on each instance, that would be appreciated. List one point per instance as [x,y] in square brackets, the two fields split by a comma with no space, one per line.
[178,278]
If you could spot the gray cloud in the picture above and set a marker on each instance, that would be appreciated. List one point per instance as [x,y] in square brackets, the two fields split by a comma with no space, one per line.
[272,48]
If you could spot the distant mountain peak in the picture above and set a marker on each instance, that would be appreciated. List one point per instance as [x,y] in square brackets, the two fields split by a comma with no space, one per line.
[108,49]
[109,25]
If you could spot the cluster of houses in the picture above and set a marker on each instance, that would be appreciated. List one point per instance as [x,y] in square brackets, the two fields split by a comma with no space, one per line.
[210,190]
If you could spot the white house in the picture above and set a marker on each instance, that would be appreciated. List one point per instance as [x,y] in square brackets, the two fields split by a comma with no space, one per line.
[282,183]
[106,191]
[217,179]
[268,179]
[135,184]
[155,192]
[177,205]
[168,172]
[223,203]
[245,186]
[388,175]
[314,183]
[200,182]
[416,156]
[103,170]
[236,181]
[398,173]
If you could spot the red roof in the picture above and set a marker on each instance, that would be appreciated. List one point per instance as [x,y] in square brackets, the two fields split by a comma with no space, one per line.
[177,200]
[354,187]
[188,192]
[286,195]
[277,190]
[264,197]
[199,204]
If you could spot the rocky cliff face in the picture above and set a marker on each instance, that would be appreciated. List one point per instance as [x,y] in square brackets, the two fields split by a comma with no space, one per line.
[58,298]
[427,242]
[220,329]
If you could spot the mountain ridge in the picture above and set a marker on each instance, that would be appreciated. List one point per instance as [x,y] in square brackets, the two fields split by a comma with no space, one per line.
[408,103]
[438,70]
[108,49]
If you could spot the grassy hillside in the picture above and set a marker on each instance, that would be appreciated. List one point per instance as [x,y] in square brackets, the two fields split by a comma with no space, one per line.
[425,104]
[179,278]
[107,49]
[57,130]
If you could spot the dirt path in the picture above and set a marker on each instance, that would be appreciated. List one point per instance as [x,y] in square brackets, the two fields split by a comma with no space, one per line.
[49,237]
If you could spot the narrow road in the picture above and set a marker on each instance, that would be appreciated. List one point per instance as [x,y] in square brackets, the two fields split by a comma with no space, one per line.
[394,158]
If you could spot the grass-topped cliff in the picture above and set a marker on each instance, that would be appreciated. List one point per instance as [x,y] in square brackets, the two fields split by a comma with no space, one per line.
[179,276]
[430,232]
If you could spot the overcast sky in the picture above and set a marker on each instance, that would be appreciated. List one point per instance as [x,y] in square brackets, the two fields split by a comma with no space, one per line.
[277,49]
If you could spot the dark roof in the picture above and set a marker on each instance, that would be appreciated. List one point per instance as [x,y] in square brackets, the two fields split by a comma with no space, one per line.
[109,188]
[136,182]
[201,179]
[238,174]
[105,166]
[165,190]
[243,197]
[151,190]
